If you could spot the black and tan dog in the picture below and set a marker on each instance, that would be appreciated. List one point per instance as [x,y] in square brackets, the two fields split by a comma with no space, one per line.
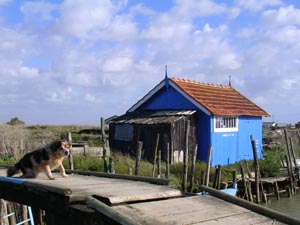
[44,159]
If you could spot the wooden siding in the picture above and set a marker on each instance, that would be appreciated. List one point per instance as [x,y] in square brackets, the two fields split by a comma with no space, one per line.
[170,127]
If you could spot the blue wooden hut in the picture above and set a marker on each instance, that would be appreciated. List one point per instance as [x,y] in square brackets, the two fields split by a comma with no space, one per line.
[220,117]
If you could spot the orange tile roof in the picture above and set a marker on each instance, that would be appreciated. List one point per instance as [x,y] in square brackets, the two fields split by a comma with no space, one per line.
[219,99]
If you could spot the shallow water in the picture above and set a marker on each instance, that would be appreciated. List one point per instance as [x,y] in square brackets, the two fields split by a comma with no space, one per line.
[286,205]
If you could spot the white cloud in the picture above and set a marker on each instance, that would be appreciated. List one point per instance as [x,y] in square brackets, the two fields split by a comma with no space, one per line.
[61,95]
[289,35]
[117,64]
[257,5]
[89,97]
[280,17]
[82,18]
[28,72]
[41,10]
[247,32]
[203,8]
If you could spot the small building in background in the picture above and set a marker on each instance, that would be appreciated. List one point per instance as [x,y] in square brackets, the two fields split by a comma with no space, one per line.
[219,116]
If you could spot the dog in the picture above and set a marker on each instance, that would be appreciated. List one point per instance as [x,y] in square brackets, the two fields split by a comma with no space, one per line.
[42,160]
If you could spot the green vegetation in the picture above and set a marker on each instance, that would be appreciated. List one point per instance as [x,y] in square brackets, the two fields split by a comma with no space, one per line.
[15,121]
[271,164]
[19,139]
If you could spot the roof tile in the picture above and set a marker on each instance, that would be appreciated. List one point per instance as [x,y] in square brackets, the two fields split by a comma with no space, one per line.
[219,99]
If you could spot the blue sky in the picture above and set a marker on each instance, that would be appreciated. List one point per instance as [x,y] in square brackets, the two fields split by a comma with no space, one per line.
[73,61]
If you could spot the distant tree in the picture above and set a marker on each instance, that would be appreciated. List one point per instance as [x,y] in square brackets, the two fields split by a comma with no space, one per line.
[15,121]
[297,125]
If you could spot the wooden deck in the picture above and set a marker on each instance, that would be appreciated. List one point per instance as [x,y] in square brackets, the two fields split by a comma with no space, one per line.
[122,201]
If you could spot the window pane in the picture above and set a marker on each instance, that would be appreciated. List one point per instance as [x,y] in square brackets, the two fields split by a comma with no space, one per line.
[124,132]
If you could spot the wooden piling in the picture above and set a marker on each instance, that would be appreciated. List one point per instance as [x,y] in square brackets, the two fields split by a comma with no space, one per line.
[298,135]
[111,165]
[208,165]
[155,154]
[248,170]
[244,183]
[138,158]
[276,189]
[105,167]
[293,152]
[289,164]
[256,165]
[202,178]
[159,164]
[216,178]
[192,174]
[185,156]
[3,211]
[10,209]
[102,129]
[70,156]
[167,175]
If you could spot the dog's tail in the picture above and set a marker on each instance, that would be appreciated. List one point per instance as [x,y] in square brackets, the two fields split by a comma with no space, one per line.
[13,170]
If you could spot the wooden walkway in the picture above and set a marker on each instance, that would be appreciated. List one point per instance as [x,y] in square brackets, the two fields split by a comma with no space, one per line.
[103,200]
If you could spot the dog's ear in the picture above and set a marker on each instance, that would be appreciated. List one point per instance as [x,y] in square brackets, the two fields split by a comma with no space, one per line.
[55,145]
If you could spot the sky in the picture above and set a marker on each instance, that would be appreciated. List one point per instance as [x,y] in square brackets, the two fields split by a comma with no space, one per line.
[74,61]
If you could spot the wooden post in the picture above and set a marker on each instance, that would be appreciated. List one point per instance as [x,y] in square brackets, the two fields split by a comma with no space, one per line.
[244,182]
[289,163]
[70,156]
[298,134]
[102,130]
[202,178]
[291,183]
[3,211]
[10,209]
[185,156]
[248,171]
[276,190]
[256,165]
[234,176]
[138,158]
[172,143]
[219,177]
[293,152]
[217,180]
[155,155]
[111,165]
[250,191]
[159,164]
[192,175]
[85,149]
[167,160]
[104,160]
[208,165]
[24,212]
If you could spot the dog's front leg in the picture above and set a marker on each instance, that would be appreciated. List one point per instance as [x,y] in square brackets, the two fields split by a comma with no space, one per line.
[49,173]
[62,170]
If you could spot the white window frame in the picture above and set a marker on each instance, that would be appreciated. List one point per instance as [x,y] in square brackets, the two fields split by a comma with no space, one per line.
[226,124]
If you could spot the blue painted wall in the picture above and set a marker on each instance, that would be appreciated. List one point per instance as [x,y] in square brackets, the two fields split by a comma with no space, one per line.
[230,147]
[168,98]
[227,147]
[204,135]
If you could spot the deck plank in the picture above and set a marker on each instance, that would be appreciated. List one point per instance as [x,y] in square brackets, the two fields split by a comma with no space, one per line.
[191,210]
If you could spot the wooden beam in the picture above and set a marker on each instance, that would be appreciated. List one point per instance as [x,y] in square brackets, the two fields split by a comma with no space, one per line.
[252,206]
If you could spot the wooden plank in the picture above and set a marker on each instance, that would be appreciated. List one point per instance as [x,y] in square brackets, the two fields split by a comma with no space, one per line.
[112,191]
[191,210]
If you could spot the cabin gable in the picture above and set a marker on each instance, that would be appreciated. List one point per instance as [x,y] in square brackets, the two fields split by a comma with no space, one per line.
[164,100]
